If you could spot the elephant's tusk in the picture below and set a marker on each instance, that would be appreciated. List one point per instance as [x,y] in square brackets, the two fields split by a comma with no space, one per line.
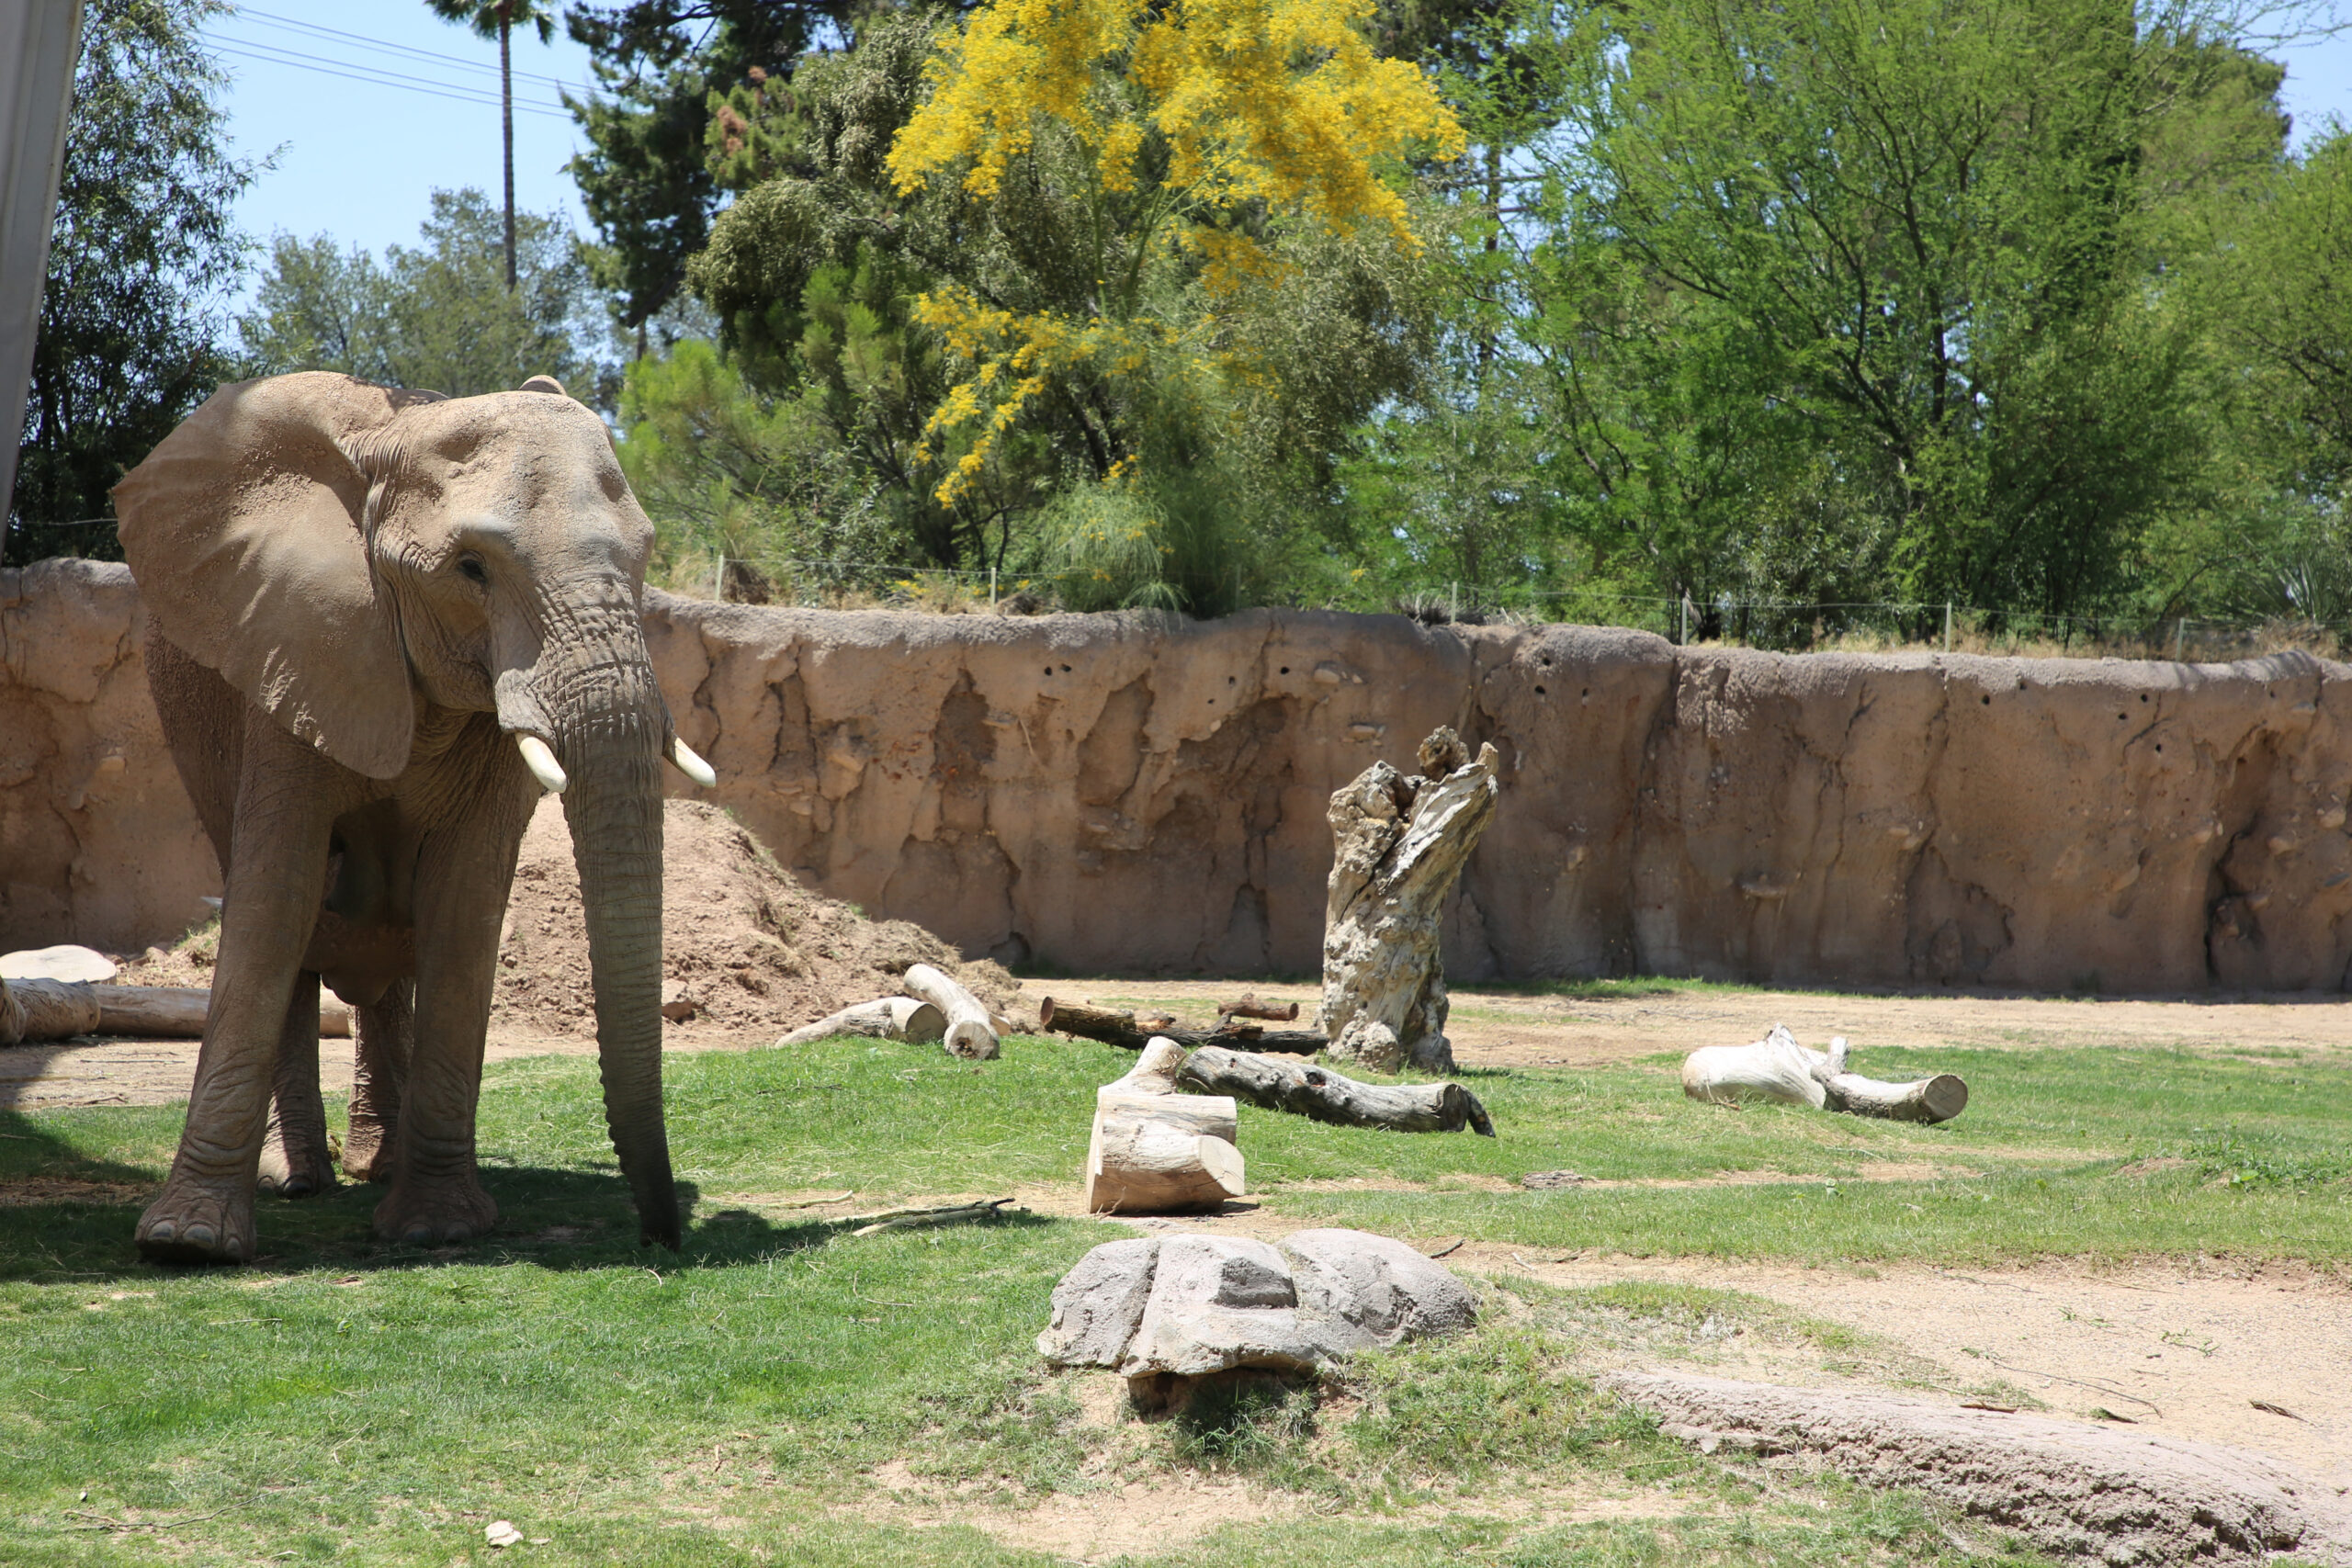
[542,764]
[693,767]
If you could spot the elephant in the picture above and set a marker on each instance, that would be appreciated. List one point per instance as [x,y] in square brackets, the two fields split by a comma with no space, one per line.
[380,623]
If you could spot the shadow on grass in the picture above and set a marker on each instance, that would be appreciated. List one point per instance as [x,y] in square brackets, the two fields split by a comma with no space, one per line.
[556,1218]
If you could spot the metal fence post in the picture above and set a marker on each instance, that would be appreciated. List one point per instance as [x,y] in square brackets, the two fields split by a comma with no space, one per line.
[1947,625]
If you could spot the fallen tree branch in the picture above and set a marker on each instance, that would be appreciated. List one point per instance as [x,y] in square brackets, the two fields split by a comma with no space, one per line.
[890,1017]
[1250,1006]
[1121,1029]
[1776,1067]
[1325,1095]
[971,1031]
[946,1215]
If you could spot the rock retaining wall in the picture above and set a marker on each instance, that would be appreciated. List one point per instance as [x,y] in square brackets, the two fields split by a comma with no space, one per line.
[1119,792]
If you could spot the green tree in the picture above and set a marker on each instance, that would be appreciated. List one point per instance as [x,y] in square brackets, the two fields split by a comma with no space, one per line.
[439,316]
[144,249]
[498,20]
[1872,298]
[1103,331]
[644,177]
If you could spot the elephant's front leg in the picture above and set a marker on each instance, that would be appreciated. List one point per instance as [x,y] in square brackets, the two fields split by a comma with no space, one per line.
[287,797]
[463,875]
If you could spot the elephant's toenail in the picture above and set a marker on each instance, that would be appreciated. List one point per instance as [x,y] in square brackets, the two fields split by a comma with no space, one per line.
[161,1230]
[199,1236]
[417,1236]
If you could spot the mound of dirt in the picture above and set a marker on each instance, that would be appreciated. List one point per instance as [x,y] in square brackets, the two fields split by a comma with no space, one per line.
[749,947]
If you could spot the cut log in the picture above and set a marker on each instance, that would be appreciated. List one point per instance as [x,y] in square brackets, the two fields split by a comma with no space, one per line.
[1121,1029]
[1928,1101]
[1250,1006]
[1326,1096]
[971,1031]
[1777,1068]
[1157,1151]
[891,1018]
[1400,845]
[58,1010]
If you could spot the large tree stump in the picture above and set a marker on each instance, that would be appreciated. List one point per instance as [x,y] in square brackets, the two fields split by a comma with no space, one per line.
[33,1010]
[1777,1068]
[1157,1151]
[1401,844]
[1121,1029]
[891,1018]
[1325,1095]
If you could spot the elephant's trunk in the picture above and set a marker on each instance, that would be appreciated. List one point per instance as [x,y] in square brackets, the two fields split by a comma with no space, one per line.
[598,692]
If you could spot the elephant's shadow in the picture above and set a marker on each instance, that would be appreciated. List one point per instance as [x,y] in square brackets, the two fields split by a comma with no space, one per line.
[65,1215]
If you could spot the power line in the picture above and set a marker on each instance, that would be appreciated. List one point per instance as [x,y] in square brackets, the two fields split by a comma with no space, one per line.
[375,76]
[270,18]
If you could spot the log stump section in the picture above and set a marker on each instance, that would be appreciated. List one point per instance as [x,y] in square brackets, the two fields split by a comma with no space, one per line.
[1157,1152]
[1401,843]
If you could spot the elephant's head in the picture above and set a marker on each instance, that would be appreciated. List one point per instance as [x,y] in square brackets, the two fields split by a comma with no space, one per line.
[345,553]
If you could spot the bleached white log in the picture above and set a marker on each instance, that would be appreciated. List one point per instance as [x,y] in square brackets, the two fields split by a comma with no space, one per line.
[971,1032]
[1157,1152]
[889,1018]
[1777,1068]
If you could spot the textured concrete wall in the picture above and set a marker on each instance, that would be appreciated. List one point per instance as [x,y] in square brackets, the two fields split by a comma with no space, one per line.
[1124,792]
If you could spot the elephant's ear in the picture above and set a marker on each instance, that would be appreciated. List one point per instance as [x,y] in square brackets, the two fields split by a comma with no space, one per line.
[247,530]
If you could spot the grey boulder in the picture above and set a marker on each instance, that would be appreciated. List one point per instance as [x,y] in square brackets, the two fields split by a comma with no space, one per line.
[1219,1303]
[1099,1305]
[1189,1306]
[1361,1291]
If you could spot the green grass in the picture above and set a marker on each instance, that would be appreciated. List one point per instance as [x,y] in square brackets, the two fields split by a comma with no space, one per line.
[343,1400]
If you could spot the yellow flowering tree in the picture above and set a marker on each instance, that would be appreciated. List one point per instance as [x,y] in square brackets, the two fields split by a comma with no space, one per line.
[1184,143]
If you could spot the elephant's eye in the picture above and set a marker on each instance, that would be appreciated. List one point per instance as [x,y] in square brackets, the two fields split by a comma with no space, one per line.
[472,569]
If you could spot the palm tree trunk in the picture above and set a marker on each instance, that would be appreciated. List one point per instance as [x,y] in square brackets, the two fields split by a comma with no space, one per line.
[506,126]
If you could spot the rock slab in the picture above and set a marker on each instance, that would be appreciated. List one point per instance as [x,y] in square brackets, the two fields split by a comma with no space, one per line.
[2112,1494]
[1193,1306]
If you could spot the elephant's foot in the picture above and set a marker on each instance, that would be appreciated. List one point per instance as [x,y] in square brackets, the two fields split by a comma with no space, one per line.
[368,1151]
[198,1222]
[423,1212]
[294,1166]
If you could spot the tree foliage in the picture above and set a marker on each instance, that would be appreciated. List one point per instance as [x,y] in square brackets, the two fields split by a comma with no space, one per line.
[644,178]
[1867,299]
[437,316]
[1165,296]
[144,250]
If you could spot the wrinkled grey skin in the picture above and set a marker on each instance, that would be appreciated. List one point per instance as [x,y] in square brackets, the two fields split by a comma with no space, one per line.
[360,599]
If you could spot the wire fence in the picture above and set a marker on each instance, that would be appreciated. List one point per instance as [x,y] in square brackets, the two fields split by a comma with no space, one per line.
[1774,624]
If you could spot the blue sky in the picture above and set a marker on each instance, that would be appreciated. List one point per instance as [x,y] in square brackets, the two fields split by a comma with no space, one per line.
[360,160]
